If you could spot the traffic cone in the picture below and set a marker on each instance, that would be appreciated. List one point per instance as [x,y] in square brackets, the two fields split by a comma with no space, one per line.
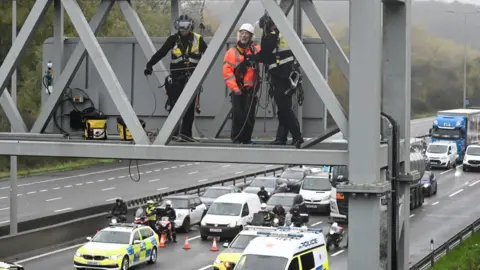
[214,245]
[186,245]
[162,241]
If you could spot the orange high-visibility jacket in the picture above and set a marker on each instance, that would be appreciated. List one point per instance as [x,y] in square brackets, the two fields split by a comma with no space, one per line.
[231,60]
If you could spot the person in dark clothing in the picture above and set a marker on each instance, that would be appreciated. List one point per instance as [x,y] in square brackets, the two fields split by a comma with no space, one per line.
[172,216]
[299,203]
[281,65]
[119,210]
[187,47]
[296,219]
[263,195]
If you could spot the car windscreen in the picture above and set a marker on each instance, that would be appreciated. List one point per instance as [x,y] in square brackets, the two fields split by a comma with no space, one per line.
[256,262]
[473,151]
[291,174]
[215,192]
[225,209]
[437,149]
[282,200]
[263,182]
[446,133]
[241,241]
[426,176]
[112,237]
[316,184]
[176,203]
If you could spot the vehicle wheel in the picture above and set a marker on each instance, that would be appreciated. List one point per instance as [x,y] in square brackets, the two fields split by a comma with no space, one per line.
[153,256]
[431,191]
[436,189]
[449,165]
[204,237]
[464,169]
[186,225]
[125,263]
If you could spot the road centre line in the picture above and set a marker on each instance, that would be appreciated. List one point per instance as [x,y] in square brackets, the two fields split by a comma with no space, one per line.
[53,199]
[455,193]
[474,183]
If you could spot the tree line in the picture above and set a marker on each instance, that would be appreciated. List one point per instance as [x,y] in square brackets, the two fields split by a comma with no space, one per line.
[437,64]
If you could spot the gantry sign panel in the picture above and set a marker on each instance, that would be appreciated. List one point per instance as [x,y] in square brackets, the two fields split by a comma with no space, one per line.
[127,60]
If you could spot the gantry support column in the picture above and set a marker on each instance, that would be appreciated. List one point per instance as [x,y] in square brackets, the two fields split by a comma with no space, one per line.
[367,217]
[396,101]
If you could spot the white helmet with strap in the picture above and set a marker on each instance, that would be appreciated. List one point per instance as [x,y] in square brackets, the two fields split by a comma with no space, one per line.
[246,27]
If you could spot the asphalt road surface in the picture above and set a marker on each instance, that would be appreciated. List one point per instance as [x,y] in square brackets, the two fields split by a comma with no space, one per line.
[441,217]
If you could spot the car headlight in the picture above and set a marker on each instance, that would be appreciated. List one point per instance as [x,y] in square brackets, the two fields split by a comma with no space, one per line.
[203,223]
[269,193]
[232,224]
[275,220]
[426,185]
[78,254]
[114,257]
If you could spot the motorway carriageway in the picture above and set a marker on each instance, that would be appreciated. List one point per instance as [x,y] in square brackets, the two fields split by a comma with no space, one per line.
[441,217]
[50,194]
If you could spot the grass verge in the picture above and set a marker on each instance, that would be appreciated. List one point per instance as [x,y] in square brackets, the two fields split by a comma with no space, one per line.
[67,166]
[465,256]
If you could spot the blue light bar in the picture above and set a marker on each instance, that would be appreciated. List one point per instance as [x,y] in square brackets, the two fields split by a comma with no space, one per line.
[279,234]
[288,228]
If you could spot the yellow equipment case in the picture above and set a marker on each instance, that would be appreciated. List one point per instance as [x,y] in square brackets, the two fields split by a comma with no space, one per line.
[95,126]
[123,131]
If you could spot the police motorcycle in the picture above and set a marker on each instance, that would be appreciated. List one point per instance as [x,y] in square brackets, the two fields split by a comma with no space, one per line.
[164,225]
[114,219]
[141,217]
[335,235]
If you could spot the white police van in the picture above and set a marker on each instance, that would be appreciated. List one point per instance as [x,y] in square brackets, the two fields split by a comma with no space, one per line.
[286,249]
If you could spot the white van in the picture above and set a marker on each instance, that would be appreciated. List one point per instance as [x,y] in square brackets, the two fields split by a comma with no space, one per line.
[472,158]
[228,214]
[442,154]
[316,191]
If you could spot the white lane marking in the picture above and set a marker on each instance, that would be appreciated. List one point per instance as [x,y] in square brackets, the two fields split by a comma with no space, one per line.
[31,192]
[203,180]
[148,172]
[112,199]
[181,166]
[101,180]
[190,173]
[444,172]
[268,166]
[79,184]
[435,203]
[165,169]
[110,188]
[5,221]
[49,253]
[174,167]
[206,267]
[455,193]
[56,188]
[1,198]
[89,182]
[163,188]
[53,199]
[239,172]
[4,187]
[111,178]
[196,163]
[189,164]
[154,180]
[225,166]
[195,237]
[474,183]
[43,190]
[315,224]
[121,176]
[412,215]
[338,253]
[61,210]
[69,186]
[157,170]
[3,209]
[87,174]
[18,195]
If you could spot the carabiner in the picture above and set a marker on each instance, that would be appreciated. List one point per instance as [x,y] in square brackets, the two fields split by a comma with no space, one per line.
[294,78]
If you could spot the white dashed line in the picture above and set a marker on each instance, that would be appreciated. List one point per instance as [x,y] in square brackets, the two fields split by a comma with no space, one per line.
[455,193]
[3,209]
[154,180]
[239,172]
[163,188]
[268,166]
[435,203]
[315,224]
[195,237]
[5,221]
[174,167]
[203,180]
[69,186]
[18,195]
[89,182]
[79,184]
[338,253]
[61,210]
[101,180]
[43,190]
[31,192]
[4,187]
[112,199]
[444,172]
[141,173]
[157,170]
[225,166]
[148,172]
[120,177]
[106,189]
[412,215]
[474,183]
[190,173]
[53,199]
[189,164]
[1,198]
[196,163]
[111,178]
[181,166]
[56,188]
[165,169]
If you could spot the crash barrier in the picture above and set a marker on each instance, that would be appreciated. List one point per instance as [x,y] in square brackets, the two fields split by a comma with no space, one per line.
[429,260]
[67,216]
[12,246]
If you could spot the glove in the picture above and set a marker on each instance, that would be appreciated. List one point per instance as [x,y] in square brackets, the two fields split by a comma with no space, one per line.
[148,70]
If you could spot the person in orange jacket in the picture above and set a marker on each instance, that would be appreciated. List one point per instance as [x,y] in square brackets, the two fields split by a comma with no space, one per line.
[242,78]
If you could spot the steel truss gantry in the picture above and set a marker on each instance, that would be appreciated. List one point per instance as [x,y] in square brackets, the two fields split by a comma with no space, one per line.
[378,71]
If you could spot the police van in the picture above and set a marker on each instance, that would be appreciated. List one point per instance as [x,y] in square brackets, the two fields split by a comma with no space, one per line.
[286,249]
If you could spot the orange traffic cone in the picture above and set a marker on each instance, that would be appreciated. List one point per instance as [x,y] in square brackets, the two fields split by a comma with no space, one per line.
[214,245]
[186,245]
[162,241]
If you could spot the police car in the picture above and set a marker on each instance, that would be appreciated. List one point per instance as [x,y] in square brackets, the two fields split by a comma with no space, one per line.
[286,248]
[10,266]
[119,246]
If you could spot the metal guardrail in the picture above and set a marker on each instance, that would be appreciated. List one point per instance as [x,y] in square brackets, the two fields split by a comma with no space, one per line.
[429,260]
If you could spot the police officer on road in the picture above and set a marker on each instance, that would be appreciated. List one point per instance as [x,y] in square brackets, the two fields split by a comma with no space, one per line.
[263,195]
[186,49]
[172,216]
[151,212]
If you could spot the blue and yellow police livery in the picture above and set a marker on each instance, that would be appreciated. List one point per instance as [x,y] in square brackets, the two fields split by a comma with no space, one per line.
[10,266]
[119,246]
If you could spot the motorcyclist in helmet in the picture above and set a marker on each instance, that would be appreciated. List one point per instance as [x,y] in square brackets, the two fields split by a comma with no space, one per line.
[119,210]
[263,195]
[300,203]
[280,213]
[151,212]
[296,219]
[267,215]
[336,229]
[172,216]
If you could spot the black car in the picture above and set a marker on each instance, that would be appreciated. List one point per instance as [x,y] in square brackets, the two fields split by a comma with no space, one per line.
[429,184]
[270,183]
[212,193]
[286,200]
[295,177]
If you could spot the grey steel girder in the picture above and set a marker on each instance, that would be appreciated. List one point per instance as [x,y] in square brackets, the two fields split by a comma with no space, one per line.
[308,65]
[198,76]
[105,71]
[13,115]
[63,81]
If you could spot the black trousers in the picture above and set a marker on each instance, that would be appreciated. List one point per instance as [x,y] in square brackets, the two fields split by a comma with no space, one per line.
[173,91]
[288,121]
[244,108]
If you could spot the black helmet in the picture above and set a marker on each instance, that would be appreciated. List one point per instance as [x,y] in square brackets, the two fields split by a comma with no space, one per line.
[119,201]
[298,199]
[265,22]
[262,188]
[184,22]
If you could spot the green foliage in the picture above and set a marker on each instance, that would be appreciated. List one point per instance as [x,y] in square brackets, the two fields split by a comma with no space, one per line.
[465,256]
